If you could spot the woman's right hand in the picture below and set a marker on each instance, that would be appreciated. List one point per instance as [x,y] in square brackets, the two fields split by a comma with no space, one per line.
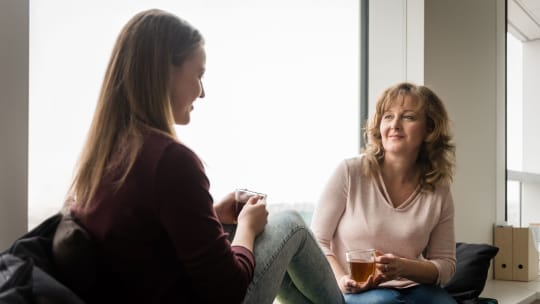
[348,285]
[253,216]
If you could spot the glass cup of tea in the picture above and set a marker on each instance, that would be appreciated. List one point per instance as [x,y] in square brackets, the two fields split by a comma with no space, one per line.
[361,264]
[241,196]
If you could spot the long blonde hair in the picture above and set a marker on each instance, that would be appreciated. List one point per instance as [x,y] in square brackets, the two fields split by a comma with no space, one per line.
[436,159]
[134,97]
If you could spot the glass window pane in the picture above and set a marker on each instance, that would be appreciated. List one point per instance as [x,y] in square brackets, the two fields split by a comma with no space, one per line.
[513,202]
[281,107]
[514,103]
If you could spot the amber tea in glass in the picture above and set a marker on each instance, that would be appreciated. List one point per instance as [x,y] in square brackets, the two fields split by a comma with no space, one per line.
[361,264]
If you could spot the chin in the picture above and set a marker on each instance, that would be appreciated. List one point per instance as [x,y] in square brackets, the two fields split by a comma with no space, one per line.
[182,121]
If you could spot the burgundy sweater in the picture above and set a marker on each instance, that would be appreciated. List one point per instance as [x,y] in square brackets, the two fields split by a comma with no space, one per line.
[158,237]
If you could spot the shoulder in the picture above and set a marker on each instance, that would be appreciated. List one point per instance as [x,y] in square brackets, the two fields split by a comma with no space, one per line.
[353,165]
[157,142]
[443,192]
[441,197]
[348,171]
[354,161]
[160,149]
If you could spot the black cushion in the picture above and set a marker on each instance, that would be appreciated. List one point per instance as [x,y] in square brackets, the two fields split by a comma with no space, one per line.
[472,265]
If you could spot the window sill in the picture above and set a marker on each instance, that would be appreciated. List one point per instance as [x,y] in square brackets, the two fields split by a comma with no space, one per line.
[512,292]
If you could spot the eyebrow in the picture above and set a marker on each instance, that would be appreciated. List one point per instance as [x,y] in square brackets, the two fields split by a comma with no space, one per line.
[405,110]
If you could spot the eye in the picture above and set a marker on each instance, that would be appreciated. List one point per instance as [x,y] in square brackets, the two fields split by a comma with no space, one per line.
[387,116]
[409,117]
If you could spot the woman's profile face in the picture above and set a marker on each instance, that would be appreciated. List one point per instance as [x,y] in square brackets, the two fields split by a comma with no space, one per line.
[186,85]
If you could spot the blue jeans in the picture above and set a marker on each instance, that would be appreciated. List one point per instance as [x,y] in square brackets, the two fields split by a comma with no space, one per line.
[290,265]
[422,294]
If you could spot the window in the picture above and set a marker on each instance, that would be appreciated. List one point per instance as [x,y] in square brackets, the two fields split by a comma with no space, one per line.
[282,98]
[523,182]
[514,114]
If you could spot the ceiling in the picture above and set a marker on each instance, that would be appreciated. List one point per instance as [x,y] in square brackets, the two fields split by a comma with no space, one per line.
[524,19]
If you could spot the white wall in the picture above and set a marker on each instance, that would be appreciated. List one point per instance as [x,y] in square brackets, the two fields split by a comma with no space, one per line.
[415,41]
[396,45]
[531,121]
[464,60]
[456,48]
[13,119]
[387,44]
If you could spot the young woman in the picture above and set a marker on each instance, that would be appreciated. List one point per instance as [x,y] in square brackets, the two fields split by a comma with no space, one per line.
[395,198]
[144,196]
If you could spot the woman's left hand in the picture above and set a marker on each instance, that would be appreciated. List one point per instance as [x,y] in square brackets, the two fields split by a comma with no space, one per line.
[226,209]
[389,265]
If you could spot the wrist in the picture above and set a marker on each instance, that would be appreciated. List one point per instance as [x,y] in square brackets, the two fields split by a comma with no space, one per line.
[244,237]
[403,268]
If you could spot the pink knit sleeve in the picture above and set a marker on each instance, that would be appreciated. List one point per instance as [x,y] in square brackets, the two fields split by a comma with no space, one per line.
[330,208]
[441,250]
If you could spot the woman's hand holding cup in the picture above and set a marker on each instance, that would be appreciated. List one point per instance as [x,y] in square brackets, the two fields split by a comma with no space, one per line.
[253,215]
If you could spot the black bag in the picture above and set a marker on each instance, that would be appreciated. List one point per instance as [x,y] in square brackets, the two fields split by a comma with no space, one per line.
[27,270]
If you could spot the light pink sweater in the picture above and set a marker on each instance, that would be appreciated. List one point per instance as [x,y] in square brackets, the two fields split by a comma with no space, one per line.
[354,213]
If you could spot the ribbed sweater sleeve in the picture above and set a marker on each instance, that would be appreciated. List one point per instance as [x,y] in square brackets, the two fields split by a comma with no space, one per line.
[187,213]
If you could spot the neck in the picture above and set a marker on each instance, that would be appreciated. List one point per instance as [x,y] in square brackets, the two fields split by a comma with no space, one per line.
[399,170]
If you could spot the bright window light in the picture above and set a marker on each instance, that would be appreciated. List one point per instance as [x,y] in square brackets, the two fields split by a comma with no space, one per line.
[514,103]
[282,101]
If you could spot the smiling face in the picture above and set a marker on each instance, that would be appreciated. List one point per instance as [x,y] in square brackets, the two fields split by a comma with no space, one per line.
[403,127]
[186,85]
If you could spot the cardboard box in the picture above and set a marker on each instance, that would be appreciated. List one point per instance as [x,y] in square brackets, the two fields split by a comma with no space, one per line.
[517,259]
[503,260]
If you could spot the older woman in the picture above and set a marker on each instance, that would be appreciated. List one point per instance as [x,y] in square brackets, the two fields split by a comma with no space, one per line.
[395,198]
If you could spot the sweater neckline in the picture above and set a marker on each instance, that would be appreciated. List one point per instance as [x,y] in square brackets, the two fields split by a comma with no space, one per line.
[384,193]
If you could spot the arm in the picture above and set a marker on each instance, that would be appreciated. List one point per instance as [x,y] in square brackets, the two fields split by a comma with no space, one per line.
[423,272]
[326,219]
[330,208]
[441,249]
[186,212]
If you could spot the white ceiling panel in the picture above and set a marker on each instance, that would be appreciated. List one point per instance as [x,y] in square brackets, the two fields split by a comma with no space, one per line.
[524,19]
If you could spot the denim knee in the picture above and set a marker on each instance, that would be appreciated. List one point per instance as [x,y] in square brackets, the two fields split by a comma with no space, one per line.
[291,217]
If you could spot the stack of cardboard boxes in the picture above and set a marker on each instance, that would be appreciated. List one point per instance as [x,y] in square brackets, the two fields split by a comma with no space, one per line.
[517,259]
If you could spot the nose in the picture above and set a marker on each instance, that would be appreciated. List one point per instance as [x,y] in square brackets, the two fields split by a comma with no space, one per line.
[202,90]
[395,124]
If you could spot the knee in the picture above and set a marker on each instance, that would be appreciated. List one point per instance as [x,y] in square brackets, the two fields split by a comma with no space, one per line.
[290,217]
[287,223]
